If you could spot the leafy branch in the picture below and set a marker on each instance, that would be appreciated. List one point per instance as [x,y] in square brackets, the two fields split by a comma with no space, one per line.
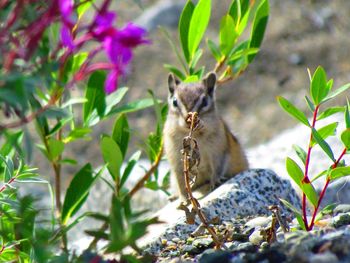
[321,92]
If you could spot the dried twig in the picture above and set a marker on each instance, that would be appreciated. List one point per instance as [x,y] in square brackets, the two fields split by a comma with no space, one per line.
[150,171]
[191,158]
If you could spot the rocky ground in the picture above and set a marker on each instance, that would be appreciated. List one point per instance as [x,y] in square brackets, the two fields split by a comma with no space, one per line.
[248,240]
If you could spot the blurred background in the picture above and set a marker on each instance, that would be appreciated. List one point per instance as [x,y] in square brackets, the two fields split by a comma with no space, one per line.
[301,34]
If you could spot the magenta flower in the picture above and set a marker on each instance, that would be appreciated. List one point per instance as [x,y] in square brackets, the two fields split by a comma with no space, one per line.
[118,47]
[66,11]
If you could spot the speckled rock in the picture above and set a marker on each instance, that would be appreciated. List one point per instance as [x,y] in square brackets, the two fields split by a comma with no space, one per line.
[248,193]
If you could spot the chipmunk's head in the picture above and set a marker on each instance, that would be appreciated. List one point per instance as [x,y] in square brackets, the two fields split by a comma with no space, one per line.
[191,97]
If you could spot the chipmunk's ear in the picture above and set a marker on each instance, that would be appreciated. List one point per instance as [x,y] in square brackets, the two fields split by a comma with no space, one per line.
[172,82]
[210,82]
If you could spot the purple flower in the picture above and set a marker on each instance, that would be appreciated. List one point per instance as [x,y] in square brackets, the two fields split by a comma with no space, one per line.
[103,25]
[66,37]
[66,10]
[131,36]
[111,82]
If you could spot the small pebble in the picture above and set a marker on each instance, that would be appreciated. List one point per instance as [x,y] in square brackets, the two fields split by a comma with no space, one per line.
[261,221]
[256,238]
[176,240]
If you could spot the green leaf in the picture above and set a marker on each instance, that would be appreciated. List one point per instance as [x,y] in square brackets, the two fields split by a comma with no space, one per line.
[320,175]
[329,112]
[347,116]
[327,210]
[336,92]
[292,110]
[129,167]
[198,25]
[296,212]
[196,58]
[300,152]
[117,228]
[318,86]
[78,60]
[259,26]
[339,172]
[326,131]
[83,7]
[55,148]
[132,106]
[192,78]
[78,133]
[121,133]
[175,70]
[77,192]
[310,104]
[95,96]
[238,9]
[324,145]
[297,175]
[228,35]
[214,50]
[241,53]
[184,23]
[345,138]
[112,156]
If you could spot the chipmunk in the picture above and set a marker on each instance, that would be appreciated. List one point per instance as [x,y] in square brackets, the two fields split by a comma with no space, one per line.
[221,155]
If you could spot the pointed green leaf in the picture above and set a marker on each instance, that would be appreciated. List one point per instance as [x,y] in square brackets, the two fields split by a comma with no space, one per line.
[175,70]
[196,58]
[132,106]
[297,175]
[198,25]
[324,145]
[326,131]
[228,34]
[95,96]
[55,148]
[112,156]
[214,50]
[241,53]
[184,24]
[339,172]
[345,138]
[259,26]
[130,166]
[295,211]
[300,152]
[292,110]
[77,192]
[347,116]
[121,133]
[329,112]
[310,104]
[336,92]
[318,86]
[327,210]
[325,172]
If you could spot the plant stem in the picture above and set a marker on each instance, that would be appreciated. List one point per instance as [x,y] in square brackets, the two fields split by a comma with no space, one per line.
[328,180]
[307,162]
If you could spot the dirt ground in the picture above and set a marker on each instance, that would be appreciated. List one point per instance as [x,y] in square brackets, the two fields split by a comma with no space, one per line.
[301,34]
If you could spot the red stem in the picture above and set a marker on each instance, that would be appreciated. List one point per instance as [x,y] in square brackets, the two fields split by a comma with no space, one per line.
[307,162]
[324,190]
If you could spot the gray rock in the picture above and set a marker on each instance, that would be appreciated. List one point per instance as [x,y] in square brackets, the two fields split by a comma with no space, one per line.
[190,249]
[205,242]
[245,247]
[342,208]
[256,238]
[261,221]
[326,257]
[248,193]
[341,220]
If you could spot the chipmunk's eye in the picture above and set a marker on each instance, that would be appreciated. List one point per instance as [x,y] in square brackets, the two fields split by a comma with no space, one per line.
[204,102]
[175,102]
